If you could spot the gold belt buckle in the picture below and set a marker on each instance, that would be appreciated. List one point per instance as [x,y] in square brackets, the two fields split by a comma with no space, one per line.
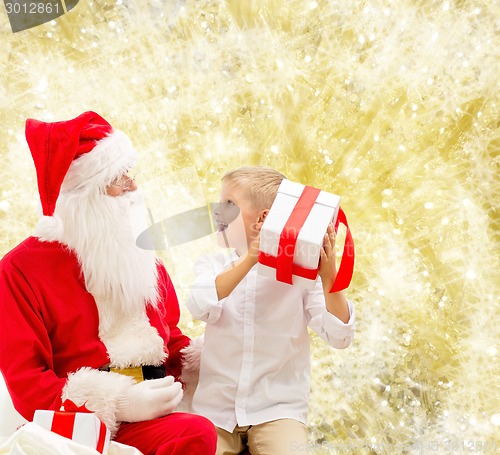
[135,372]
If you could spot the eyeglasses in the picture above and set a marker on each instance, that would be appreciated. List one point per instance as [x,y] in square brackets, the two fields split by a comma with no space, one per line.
[126,180]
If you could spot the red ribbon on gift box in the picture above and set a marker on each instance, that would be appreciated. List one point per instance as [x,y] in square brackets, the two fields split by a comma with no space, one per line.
[283,263]
[64,422]
[69,406]
[346,266]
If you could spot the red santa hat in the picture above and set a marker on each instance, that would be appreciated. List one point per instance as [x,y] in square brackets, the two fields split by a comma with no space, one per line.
[84,152]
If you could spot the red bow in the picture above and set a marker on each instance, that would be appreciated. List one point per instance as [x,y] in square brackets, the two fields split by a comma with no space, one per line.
[69,406]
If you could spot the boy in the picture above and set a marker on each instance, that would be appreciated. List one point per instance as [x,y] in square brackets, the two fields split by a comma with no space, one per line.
[255,362]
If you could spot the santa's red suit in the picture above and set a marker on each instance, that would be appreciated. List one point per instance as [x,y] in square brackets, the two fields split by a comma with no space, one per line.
[54,344]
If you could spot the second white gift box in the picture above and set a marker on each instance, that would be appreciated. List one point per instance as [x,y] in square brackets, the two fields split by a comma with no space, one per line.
[81,427]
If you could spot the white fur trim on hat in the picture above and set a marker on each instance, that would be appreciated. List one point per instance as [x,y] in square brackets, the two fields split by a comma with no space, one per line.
[109,159]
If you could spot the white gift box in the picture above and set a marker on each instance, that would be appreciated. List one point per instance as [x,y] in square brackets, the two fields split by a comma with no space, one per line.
[323,208]
[81,427]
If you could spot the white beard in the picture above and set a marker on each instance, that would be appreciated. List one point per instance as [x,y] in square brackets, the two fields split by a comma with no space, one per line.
[101,230]
[122,277]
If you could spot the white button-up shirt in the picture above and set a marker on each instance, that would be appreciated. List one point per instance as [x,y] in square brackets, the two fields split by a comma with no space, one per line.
[255,362]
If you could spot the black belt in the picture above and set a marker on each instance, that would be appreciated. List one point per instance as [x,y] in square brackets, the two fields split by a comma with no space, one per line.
[143,372]
[151,372]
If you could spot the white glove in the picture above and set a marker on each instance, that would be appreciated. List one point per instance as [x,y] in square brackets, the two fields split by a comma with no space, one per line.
[149,400]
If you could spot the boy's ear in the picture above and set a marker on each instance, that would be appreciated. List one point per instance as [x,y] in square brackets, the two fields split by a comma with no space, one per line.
[262,216]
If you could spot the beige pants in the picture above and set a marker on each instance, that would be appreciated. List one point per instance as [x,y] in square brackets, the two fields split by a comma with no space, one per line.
[279,437]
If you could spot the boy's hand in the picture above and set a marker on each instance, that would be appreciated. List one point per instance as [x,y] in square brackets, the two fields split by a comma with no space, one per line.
[327,264]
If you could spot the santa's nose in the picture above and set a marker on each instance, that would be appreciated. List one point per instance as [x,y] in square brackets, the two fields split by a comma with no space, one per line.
[132,187]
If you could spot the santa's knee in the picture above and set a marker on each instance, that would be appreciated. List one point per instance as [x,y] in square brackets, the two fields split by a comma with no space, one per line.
[204,431]
[196,435]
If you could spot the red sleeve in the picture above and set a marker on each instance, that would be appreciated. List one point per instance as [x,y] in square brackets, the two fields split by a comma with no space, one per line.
[177,340]
[26,360]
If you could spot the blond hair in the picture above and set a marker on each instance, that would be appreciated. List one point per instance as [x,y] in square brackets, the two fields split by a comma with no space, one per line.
[260,184]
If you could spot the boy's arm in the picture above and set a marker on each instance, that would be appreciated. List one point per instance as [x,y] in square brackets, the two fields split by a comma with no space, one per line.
[203,301]
[336,303]
[328,326]
[227,280]
[213,285]
[331,316]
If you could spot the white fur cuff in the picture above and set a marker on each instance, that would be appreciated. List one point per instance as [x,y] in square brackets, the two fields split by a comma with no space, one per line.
[99,391]
[191,356]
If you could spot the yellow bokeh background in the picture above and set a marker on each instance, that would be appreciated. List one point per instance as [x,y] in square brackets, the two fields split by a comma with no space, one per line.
[394,105]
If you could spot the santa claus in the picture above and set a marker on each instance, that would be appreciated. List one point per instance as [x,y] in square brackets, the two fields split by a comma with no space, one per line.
[86,315]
